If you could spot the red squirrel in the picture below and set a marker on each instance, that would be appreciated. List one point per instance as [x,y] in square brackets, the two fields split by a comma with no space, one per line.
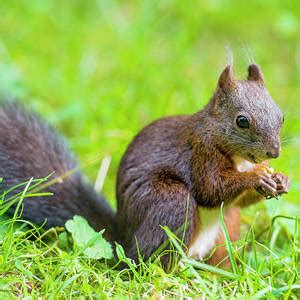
[191,164]
[176,169]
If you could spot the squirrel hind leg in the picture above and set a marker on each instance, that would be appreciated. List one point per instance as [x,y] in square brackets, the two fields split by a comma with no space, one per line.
[171,205]
[232,221]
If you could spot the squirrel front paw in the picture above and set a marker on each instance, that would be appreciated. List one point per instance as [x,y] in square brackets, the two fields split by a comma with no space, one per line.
[267,187]
[283,183]
[266,184]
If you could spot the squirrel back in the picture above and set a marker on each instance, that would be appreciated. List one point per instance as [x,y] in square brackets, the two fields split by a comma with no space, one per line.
[31,148]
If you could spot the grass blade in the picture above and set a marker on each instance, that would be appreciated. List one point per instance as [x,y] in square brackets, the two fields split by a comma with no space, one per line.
[228,242]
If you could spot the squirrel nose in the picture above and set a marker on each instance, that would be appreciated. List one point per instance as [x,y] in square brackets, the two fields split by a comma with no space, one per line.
[274,152]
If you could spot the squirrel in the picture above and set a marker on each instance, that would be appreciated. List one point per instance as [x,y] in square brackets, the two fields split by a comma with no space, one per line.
[184,167]
[176,172]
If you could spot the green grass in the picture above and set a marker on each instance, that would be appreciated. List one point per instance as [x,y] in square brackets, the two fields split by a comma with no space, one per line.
[100,71]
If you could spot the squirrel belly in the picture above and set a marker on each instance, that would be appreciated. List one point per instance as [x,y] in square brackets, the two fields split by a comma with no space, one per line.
[207,234]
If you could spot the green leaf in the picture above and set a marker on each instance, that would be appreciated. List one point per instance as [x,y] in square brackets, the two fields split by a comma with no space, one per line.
[120,252]
[90,242]
[63,240]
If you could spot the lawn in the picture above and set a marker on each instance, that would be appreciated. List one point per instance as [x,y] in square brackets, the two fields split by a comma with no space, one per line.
[101,70]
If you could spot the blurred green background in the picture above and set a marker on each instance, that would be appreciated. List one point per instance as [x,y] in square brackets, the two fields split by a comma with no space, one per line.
[101,70]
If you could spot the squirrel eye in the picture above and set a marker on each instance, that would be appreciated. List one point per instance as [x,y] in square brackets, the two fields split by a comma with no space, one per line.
[242,122]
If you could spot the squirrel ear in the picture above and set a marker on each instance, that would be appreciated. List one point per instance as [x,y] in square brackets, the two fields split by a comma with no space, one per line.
[226,80]
[255,74]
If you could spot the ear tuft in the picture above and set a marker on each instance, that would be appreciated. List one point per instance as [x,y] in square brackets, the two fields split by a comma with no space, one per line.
[226,80]
[255,74]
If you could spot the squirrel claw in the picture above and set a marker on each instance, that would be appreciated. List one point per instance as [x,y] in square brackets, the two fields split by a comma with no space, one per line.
[274,185]
[267,187]
[266,193]
[283,183]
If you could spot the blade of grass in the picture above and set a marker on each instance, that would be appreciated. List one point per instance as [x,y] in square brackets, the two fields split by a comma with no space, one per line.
[194,263]
[228,242]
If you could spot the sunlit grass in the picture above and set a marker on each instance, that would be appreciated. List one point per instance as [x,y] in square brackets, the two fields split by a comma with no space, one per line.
[35,262]
[100,71]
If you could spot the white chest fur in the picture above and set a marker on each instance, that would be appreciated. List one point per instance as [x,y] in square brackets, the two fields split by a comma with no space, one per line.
[208,233]
[209,220]
[242,165]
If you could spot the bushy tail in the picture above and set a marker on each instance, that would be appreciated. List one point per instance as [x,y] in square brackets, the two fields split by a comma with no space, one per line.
[30,148]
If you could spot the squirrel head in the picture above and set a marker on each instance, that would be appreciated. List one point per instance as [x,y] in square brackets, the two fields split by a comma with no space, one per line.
[247,119]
